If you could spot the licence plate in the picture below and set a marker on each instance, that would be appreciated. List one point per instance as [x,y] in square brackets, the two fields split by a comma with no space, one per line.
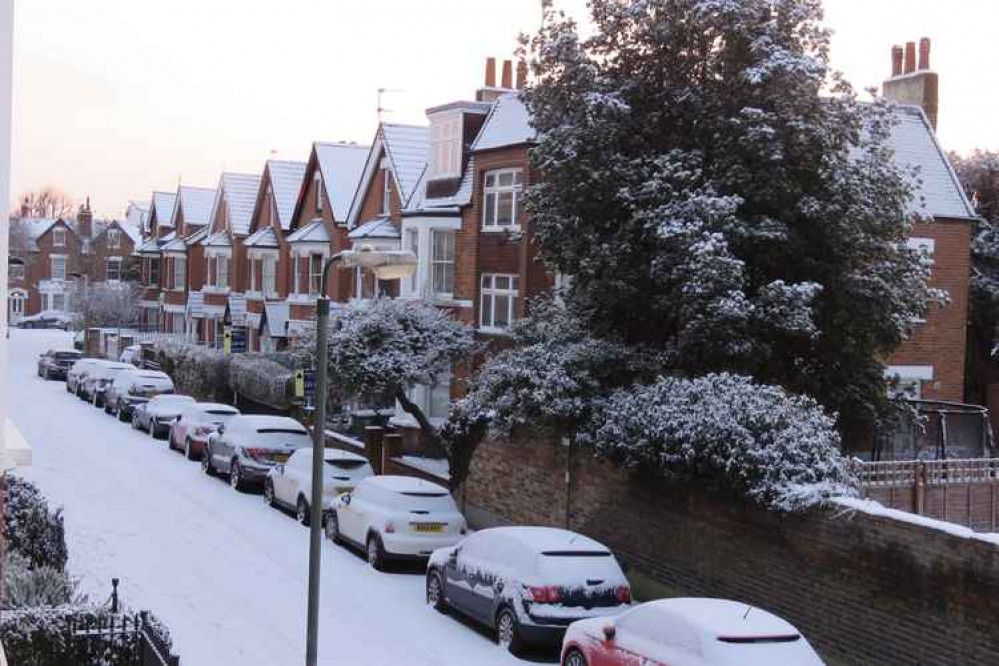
[428,527]
[281,457]
[340,490]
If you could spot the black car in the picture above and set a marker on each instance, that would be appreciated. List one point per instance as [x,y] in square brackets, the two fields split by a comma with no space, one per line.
[54,363]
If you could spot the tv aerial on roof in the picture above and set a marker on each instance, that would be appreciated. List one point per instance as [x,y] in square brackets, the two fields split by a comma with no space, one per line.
[383,91]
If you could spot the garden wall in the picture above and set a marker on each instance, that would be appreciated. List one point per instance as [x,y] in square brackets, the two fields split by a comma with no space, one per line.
[864,588]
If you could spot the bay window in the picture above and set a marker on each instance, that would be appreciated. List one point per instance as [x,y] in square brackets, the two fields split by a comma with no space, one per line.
[179,272]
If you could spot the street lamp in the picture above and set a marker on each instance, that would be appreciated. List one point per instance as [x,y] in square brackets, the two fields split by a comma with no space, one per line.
[387,265]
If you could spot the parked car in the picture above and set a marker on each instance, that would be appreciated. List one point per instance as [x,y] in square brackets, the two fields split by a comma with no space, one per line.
[290,485]
[48,319]
[190,432]
[247,447]
[527,583]
[395,517]
[687,632]
[97,381]
[133,387]
[54,363]
[78,372]
[79,339]
[131,354]
[156,415]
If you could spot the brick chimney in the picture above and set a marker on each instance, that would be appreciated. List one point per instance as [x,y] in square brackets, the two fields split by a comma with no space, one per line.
[85,221]
[25,209]
[911,82]
[490,91]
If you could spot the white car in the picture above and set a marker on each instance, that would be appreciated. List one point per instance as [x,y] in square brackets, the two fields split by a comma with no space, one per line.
[396,517]
[157,415]
[131,354]
[688,632]
[290,485]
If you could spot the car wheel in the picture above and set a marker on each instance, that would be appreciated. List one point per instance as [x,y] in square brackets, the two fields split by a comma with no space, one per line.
[508,632]
[206,462]
[435,592]
[46,375]
[333,527]
[235,475]
[135,421]
[122,416]
[269,498]
[375,552]
[188,453]
[302,514]
[574,658]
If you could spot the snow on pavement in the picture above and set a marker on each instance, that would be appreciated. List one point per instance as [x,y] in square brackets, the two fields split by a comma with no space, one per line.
[227,574]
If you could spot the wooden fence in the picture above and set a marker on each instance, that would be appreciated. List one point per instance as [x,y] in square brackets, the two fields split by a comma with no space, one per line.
[962,491]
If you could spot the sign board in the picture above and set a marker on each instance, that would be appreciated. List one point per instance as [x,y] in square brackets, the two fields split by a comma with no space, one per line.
[305,383]
[237,340]
[310,383]
[299,384]
[196,304]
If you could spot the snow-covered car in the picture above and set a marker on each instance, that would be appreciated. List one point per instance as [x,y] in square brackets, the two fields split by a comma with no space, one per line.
[131,354]
[289,485]
[528,583]
[48,319]
[132,388]
[159,413]
[78,371]
[196,423]
[97,382]
[54,363]
[247,447]
[687,632]
[396,517]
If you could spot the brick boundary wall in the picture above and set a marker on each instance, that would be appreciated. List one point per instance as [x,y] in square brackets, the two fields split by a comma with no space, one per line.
[864,589]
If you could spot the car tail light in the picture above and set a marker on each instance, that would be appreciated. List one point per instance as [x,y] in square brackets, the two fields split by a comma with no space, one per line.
[389,528]
[547,594]
[202,430]
[624,594]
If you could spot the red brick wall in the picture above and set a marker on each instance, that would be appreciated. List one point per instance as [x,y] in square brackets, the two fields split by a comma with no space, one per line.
[863,589]
[941,341]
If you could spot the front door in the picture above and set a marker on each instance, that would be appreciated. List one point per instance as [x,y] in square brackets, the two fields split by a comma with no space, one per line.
[16,307]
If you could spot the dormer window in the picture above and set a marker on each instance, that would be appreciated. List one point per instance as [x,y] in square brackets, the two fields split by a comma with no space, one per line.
[445,146]
[58,237]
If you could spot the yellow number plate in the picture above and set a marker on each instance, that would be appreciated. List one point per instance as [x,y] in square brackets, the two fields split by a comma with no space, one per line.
[428,527]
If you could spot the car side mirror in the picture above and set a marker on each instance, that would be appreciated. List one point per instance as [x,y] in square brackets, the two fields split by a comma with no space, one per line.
[609,632]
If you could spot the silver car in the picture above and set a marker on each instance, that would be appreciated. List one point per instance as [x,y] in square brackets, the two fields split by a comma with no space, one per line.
[247,447]
[97,381]
[132,388]
[158,414]
[78,372]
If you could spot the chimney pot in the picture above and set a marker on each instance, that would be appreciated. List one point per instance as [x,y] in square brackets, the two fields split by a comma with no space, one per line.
[507,74]
[910,57]
[924,53]
[521,74]
[490,72]
[896,60]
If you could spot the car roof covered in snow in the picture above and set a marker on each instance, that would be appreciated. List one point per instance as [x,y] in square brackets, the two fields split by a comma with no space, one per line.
[404,484]
[148,374]
[266,422]
[721,618]
[546,539]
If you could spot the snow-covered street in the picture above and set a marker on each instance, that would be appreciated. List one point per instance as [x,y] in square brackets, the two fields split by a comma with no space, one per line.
[226,573]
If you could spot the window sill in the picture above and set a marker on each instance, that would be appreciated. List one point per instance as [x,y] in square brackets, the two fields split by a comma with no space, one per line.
[513,229]
[301,299]
[211,289]
[490,330]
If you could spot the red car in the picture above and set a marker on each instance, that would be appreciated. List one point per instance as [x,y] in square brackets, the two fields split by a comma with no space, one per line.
[190,432]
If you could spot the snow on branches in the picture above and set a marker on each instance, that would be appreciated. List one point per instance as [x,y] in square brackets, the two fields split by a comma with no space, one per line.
[106,304]
[779,450]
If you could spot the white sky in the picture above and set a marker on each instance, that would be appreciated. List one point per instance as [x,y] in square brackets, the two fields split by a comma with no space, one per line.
[115,98]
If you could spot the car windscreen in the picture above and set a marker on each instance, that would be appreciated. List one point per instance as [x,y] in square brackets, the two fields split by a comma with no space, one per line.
[346,464]
[576,568]
[67,356]
[423,501]
[276,437]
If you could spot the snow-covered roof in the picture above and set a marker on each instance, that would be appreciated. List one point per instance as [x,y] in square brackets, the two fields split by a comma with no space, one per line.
[286,181]
[715,618]
[406,147]
[262,238]
[239,191]
[276,319]
[915,144]
[313,232]
[508,124]
[35,227]
[341,165]
[131,229]
[461,197]
[195,203]
[197,236]
[162,205]
[174,245]
[404,484]
[151,246]
[381,227]
[219,239]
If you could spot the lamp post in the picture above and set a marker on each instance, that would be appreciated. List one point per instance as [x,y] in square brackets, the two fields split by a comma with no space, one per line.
[387,265]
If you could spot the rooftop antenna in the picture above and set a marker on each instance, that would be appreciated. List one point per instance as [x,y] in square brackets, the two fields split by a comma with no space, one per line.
[381,109]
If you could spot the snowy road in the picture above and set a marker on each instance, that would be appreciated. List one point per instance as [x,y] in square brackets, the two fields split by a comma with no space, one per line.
[227,574]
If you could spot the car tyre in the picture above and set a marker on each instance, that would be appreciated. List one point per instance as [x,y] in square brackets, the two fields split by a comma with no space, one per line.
[269,498]
[302,514]
[188,453]
[135,421]
[574,658]
[435,592]
[46,375]
[508,631]
[333,527]
[206,462]
[375,552]
[122,416]
[236,476]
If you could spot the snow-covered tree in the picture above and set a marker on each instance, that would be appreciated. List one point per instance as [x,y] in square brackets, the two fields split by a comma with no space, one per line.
[31,528]
[779,450]
[379,349]
[717,192]
[979,174]
[106,304]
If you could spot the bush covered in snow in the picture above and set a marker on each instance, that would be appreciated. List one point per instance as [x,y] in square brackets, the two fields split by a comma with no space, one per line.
[31,528]
[195,370]
[29,586]
[779,450]
[264,378]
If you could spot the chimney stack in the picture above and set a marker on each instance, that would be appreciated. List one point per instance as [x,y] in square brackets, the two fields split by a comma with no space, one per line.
[25,209]
[85,220]
[521,74]
[909,85]
[490,72]
[924,54]
[507,74]
[896,60]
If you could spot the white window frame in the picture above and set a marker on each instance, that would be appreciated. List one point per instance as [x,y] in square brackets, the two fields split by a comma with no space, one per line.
[53,260]
[443,263]
[114,238]
[179,273]
[413,245]
[16,269]
[316,260]
[221,271]
[491,194]
[268,280]
[116,262]
[386,191]
[445,145]
[318,180]
[59,237]
[488,293]
[251,267]
[55,305]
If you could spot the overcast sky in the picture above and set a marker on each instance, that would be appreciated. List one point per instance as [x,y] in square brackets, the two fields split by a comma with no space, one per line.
[115,98]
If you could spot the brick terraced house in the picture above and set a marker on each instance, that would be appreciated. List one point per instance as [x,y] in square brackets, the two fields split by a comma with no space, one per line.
[189,223]
[158,226]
